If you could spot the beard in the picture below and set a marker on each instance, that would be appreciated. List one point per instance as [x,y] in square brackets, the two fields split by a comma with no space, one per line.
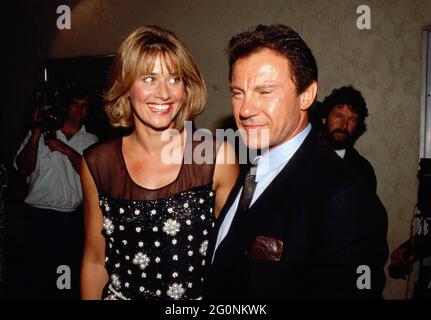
[338,139]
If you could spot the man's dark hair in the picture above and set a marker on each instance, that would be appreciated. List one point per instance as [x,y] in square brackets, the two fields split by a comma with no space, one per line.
[350,96]
[75,91]
[283,40]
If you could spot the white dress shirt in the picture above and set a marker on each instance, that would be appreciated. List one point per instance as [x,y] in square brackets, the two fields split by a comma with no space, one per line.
[54,183]
[269,166]
[341,153]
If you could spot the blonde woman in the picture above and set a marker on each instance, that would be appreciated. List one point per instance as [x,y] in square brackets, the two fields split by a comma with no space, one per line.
[147,220]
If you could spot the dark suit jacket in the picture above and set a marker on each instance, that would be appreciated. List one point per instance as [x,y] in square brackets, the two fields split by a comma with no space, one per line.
[329,222]
[362,166]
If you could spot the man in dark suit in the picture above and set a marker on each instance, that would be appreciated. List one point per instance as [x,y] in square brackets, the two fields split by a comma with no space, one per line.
[300,224]
[343,116]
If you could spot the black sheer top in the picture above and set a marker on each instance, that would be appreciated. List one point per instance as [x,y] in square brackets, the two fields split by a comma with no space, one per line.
[156,240]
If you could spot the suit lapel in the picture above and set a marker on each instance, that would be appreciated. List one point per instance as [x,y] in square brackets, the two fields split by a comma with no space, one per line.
[231,198]
[287,178]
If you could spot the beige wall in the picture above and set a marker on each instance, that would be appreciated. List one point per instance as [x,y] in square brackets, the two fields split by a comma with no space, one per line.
[384,63]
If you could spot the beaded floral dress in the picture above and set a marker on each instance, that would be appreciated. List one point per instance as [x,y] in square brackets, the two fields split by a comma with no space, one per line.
[156,240]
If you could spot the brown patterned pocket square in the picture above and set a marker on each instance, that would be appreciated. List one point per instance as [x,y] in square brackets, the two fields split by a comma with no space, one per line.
[266,248]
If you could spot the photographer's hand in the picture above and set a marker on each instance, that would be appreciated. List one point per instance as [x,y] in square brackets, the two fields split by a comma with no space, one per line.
[57,145]
[73,156]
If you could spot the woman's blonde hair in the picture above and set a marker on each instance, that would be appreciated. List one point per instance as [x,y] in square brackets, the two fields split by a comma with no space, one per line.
[136,57]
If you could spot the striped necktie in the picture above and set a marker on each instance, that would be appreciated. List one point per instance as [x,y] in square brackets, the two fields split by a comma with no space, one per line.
[248,189]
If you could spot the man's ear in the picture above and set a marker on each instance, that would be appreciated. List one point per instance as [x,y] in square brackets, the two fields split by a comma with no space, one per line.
[308,95]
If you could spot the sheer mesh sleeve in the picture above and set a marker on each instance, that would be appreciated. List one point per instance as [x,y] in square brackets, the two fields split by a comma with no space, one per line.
[103,160]
[108,169]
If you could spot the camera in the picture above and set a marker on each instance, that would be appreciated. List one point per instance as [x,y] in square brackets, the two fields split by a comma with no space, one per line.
[49,99]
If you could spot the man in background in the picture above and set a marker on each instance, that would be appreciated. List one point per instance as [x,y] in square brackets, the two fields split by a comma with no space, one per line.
[343,115]
[50,159]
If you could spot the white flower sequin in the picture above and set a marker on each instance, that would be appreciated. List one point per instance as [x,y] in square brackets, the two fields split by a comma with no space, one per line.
[201,200]
[171,227]
[141,259]
[186,205]
[170,210]
[108,226]
[137,212]
[115,280]
[188,222]
[153,212]
[175,291]
[203,248]
[121,210]
[138,229]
